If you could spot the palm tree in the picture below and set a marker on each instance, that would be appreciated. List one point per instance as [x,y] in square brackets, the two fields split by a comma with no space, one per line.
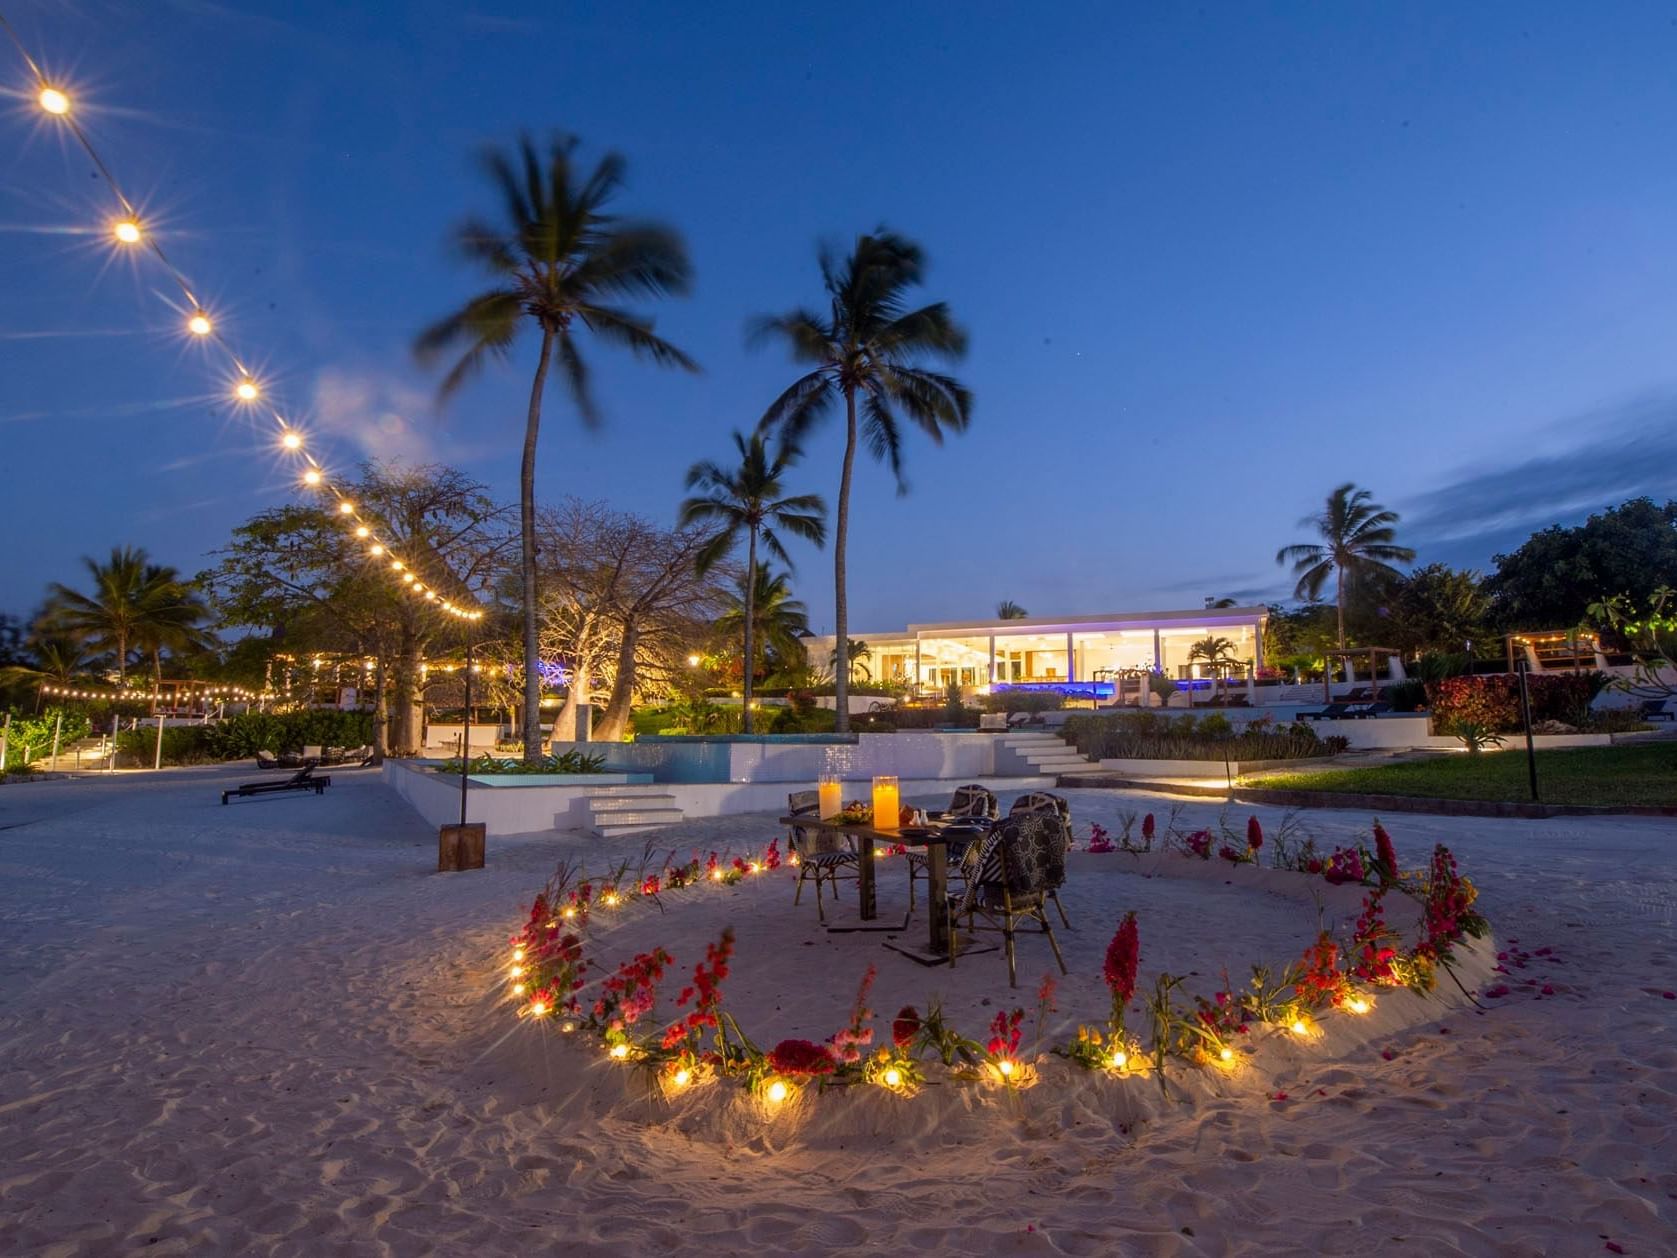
[558,260]
[110,619]
[751,500]
[765,612]
[1218,654]
[857,652]
[1007,609]
[866,351]
[172,619]
[1358,542]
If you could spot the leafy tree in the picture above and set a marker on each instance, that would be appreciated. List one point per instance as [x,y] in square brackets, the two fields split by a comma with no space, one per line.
[1358,544]
[285,572]
[1438,609]
[751,499]
[1551,580]
[1007,609]
[866,352]
[779,622]
[559,260]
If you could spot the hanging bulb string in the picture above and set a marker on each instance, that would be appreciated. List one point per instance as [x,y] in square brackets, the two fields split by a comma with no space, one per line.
[131,230]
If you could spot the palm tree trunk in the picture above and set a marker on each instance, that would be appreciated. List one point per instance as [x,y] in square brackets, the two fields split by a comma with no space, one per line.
[1339,598]
[841,608]
[750,614]
[527,560]
[121,659]
[156,676]
[381,711]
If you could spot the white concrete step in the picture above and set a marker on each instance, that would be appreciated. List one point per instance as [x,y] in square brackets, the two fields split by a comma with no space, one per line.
[634,823]
[599,804]
[626,788]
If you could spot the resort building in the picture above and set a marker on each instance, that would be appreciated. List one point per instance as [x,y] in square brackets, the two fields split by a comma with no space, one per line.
[1087,656]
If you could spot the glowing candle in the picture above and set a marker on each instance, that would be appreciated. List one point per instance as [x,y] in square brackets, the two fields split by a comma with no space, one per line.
[831,792]
[886,802]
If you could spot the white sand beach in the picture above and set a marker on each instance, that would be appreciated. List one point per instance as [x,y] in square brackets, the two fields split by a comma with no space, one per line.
[270,1028]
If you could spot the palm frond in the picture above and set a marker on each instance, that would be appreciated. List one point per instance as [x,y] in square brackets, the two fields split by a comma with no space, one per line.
[634,333]
[569,358]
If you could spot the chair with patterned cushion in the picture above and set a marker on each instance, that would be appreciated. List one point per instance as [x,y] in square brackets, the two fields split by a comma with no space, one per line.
[1008,880]
[970,803]
[821,855]
[1043,802]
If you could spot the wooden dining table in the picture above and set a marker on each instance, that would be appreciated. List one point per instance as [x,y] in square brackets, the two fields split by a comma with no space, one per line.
[931,837]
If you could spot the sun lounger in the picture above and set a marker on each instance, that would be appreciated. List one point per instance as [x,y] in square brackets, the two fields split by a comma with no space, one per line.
[268,760]
[302,780]
[1333,712]
[992,722]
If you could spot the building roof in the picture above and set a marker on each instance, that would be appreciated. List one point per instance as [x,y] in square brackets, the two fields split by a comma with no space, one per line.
[1039,624]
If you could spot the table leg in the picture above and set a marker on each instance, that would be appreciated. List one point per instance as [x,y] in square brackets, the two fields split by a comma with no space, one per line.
[937,882]
[866,903]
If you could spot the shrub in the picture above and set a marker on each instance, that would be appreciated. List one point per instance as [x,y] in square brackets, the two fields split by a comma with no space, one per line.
[1155,736]
[567,762]
[31,736]
[1025,701]
[182,744]
[1492,700]
[1405,696]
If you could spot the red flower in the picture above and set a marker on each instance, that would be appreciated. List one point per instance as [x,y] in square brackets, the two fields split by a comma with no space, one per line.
[905,1027]
[1147,827]
[1254,833]
[1385,853]
[801,1057]
[1123,955]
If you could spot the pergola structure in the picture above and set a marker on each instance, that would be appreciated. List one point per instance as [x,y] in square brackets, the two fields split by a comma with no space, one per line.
[1353,654]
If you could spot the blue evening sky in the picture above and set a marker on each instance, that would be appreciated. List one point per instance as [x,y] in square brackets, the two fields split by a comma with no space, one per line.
[1214,259]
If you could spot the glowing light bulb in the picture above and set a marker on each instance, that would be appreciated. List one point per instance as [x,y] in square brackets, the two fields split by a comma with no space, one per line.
[516,971]
[893,1078]
[1005,1066]
[1299,1028]
[1119,1060]
[246,391]
[311,477]
[682,1077]
[609,899]
[519,987]
[407,578]
[431,594]
[127,231]
[292,441]
[346,508]
[395,565]
[375,550]
[1358,1005]
[619,1051]
[753,868]
[1227,1054]
[199,324]
[567,1027]
[54,101]
[538,1008]
[716,875]
[776,1092]
[692,661]
[363,531]
[569,913]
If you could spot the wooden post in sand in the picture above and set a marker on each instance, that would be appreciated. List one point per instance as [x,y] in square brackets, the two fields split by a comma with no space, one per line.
[460,847]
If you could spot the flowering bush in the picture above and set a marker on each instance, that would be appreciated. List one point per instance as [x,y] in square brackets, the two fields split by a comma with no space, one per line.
[1385,856]
[630,993]
[801,1058]
[1347,864]
[705,995]
[1198,843]
[857,1035]
[905,1027]
[1493,700]
[1005,1034]
[1098,842]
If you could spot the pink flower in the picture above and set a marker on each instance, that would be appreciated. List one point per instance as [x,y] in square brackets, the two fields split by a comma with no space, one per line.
[1254,834]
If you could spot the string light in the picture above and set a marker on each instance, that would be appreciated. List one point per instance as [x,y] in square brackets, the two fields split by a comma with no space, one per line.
[127,229]
[375,550]
[346,508]
[363,531]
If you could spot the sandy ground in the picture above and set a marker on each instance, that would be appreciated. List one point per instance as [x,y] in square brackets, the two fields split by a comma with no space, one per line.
[270,1028]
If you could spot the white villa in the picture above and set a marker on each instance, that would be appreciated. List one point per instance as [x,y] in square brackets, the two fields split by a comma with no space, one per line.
[1085,656]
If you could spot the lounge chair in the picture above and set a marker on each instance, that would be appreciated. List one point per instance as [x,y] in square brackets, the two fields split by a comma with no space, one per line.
[992,723]
[1378,708]
[268,760]
[970,803]
[1008,879]
[1333,712]
[312,755]
[302,780]
[821,854]
[1655,710]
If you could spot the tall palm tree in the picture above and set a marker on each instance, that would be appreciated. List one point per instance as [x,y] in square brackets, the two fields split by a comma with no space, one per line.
[1358,542]
[1007,609]
[866,351]
[111,618]
[558,260]
[857,653]
[751,499]
[778,622]
[172,619]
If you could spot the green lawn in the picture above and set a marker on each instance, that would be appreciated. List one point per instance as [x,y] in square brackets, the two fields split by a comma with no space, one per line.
[1643,773]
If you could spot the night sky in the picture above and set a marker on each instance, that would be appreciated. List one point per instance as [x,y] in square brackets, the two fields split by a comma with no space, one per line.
[1214,260]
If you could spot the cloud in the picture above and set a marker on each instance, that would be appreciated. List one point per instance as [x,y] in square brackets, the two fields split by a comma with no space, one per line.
[381,418]
[1611,455]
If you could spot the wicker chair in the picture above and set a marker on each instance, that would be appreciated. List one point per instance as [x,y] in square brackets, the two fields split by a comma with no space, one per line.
[970,803]
[822,855]
[1043,802]
[1008,880]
